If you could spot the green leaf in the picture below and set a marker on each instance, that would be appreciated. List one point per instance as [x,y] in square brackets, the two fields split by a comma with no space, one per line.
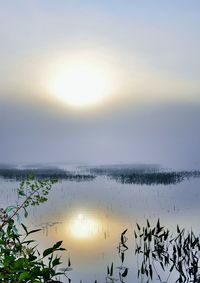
[34,231]
[24,275]
[138,226]
[151,271]
[10,208]
[57,245]
[21,193]
[123,233]
[69,262]
[25,212]
[48,252]
[111,270]
[124,274]
[56,261]
[25,229]
[122,257]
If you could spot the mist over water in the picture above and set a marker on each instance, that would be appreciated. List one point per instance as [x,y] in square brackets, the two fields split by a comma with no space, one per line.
[165,134]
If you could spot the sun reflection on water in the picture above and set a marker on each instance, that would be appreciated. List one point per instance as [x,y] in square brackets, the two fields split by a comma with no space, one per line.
[83,226]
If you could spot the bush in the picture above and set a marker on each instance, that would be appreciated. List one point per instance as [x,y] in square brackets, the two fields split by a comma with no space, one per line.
[20,260]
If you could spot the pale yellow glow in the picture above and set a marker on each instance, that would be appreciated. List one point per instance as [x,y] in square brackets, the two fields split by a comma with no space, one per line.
[81,84]
[83,226]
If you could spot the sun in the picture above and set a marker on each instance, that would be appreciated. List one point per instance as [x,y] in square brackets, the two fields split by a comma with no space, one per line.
[81,84]
[83,226]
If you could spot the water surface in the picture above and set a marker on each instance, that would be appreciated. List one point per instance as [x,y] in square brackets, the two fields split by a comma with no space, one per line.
[90,216]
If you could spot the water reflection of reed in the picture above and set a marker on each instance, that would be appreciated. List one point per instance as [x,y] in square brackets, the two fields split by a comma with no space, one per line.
[48,225]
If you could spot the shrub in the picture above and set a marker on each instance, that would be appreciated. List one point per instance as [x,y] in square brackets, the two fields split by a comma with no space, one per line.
[20,260]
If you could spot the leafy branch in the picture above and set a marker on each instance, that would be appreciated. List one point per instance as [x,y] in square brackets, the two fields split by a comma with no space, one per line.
[20,260]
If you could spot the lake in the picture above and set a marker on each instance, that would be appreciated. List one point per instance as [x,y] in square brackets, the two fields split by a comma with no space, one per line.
[89,216]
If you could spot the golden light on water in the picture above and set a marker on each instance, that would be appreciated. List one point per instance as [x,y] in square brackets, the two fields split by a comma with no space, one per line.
[81,84]
[83,226]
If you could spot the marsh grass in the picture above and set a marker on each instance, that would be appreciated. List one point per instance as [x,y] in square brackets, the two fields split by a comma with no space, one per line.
[121,270]
[163,255]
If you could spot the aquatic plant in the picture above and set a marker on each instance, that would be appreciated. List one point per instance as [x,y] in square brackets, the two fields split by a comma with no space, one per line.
[122,269]
[162,255]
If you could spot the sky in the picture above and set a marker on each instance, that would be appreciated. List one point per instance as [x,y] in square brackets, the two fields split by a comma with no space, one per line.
[146,51]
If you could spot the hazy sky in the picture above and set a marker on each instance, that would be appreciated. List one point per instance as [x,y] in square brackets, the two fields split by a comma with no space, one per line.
[148,51]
